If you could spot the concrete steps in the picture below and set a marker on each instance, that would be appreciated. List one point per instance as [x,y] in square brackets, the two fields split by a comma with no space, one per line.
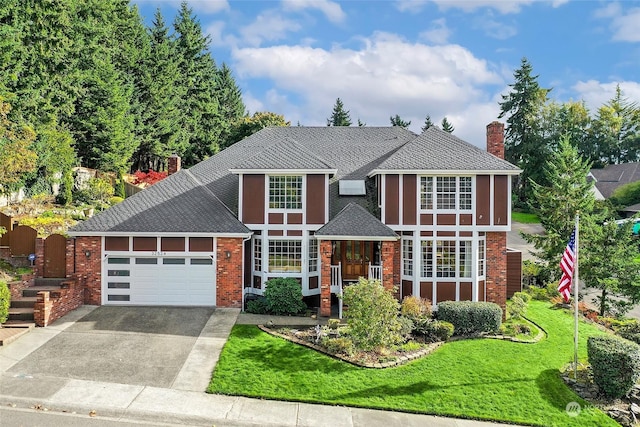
[21,309]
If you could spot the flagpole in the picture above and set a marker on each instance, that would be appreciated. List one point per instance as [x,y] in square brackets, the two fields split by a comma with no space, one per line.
[575,298]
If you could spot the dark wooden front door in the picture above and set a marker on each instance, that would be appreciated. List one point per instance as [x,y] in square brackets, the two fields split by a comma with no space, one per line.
[355,256]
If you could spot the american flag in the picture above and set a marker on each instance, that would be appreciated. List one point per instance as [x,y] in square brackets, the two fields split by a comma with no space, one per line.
[567,267]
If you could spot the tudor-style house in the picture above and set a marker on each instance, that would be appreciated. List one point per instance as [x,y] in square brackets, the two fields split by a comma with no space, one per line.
[425,214]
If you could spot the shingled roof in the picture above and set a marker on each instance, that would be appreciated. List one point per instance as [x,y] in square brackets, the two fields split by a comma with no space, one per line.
[437,150]
[286,154]
[611,177]
[356,222]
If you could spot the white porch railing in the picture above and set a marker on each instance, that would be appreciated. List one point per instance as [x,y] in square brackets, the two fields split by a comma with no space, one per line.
[336,285]
[375,272]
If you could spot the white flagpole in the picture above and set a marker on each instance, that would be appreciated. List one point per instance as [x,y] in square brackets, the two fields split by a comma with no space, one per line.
[575,298]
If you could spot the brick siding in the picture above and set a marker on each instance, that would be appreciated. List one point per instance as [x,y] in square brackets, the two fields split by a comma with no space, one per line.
[88,270]
[325,274]
[229,272]
[50,306]
[496,283]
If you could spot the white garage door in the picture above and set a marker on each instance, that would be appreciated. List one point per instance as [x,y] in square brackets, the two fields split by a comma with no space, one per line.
[159,281]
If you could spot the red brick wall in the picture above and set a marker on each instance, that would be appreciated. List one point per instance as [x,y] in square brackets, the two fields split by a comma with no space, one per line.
[390,255]
[70,257]
[495,139]
[51,306]
[16,287]
[38,265]
[229,272]
[496,282]
[88,270]
[325,273]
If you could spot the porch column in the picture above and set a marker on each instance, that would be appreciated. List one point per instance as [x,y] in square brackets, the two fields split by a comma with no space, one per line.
[325,275]
[390,260]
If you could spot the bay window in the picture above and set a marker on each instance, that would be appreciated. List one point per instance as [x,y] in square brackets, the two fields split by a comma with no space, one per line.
[285,256]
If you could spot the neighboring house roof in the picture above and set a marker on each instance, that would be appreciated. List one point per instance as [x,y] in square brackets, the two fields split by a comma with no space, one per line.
[437,150]
[632,209]
[608,179]
[177,204]
[357,223]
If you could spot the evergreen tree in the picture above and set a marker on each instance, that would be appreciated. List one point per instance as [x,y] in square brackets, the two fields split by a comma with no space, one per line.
[16,156]
[230,103]
[248,125]
[446,125]
[361,123]
[427,123]
[199,104]
[339,116]
[523,145]
[397,121]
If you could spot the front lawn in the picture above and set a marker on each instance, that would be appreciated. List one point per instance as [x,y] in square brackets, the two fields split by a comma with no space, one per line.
[483,379]
[525,218]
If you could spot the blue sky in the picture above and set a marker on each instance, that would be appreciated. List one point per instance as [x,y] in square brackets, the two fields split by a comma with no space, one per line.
[413,57]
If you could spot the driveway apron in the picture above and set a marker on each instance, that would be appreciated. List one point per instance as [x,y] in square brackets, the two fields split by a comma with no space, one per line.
[145,346]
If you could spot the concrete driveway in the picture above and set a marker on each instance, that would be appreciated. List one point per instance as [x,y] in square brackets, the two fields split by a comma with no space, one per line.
[151,346]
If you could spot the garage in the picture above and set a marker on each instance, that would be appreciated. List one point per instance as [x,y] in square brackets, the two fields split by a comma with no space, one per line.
[169,280]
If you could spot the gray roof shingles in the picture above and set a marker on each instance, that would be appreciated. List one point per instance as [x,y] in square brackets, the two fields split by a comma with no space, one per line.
[355,221]
[611,177]
[204,198]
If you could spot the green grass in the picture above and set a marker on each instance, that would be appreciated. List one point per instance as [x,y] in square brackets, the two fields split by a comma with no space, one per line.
[525,218]
[482,379]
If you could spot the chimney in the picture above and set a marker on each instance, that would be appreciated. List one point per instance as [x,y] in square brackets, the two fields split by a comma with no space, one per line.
[173,164]
[495,139]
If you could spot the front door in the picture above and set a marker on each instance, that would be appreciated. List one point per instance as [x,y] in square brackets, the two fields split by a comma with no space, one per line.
[355,256]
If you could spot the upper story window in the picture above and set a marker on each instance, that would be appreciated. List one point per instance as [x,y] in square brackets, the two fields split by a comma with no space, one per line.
[445,193]
[285,192]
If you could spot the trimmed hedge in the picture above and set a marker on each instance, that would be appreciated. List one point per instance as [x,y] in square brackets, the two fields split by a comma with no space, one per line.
[615,364]
[471,317]
[284,296]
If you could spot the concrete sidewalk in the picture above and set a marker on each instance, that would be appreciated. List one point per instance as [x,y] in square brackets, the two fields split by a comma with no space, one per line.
[179,404]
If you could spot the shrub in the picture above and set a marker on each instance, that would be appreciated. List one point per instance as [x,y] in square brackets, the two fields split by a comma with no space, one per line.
[615,364]
[630,331]
[406,326]
[523,295]
[517,306]
[433,330]
[333,324]
[257,306]
[284,296]
[114,200]
[372,315]
[5,301]
[471,317]
[340,345]
[415,307]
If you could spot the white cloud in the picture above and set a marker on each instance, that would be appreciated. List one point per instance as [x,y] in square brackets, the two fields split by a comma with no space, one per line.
[412,6]
[200,6]
[387,76]
[596,93]
[495,29]
[611,10]
[269,26]
[502,6]
[624,24]
[330,9]
[439,33]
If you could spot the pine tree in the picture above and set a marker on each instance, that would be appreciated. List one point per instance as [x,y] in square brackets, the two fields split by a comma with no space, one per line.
[248,125]
[447,126]
[427,123]
[524,146]
[230,102]
[339,116]
[397,121]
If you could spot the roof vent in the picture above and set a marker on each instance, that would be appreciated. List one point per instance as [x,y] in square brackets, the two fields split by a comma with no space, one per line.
[352,187]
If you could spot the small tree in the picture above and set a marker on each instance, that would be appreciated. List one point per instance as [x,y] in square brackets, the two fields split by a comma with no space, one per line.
[5,301]
[339,116]
[372,315]
[427,123]
[447,126]
[397,121]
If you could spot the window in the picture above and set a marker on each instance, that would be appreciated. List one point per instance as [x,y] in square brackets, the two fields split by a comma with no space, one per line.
[407,257]
[257,254]
[285,256]
[285,192]
[146,260]
[426,255]
[464,260]
[481,255]
[445,258]
[426,192]
[449,193]
[313,255]
[118,260]
[201,261]
[173,261]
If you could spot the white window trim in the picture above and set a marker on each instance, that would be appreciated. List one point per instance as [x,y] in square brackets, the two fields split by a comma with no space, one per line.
[303,182]
[434,194]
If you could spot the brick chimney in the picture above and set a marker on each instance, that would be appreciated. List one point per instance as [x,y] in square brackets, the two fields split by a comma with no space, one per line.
[495,139]
[173,164]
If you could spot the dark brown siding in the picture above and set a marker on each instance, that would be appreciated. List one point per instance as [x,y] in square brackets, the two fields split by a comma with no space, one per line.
[466,219]
[294,218]
[483,199]
[501,196]
[409,199]
[446,292]
[481,290]
[116,243]
[466,292]
[426,290]
[253,199]
[446,233]
[316,199]
[514,272]
[426,219]
[201,244]
[392,200]
[313,282]
[466,234]
[407,288]
[145,244]
[276,218]
[446,219]
[294,232]
[175,244]
[276,233]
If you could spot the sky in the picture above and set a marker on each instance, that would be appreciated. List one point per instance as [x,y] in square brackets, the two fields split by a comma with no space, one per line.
[415,57]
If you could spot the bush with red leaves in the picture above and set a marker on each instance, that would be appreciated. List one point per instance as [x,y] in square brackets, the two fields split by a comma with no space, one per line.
[148,178]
